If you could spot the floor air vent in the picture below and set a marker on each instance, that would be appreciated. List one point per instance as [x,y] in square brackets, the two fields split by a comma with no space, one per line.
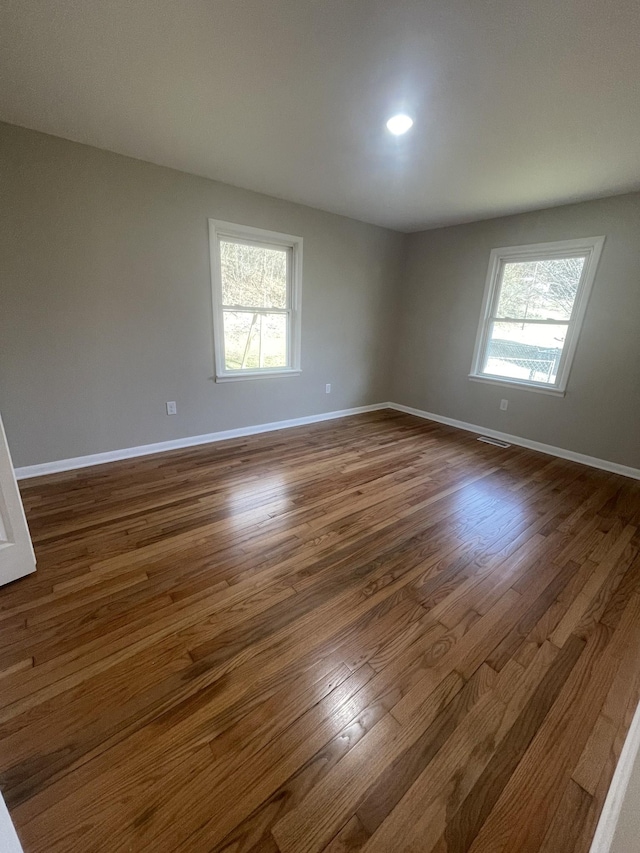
[496,441]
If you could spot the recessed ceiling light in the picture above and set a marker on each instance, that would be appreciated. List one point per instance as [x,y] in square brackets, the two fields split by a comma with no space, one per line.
[399,124]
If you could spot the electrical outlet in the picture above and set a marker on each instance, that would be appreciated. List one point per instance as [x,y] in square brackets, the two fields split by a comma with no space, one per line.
[504,405]
[327,388]
[172,409]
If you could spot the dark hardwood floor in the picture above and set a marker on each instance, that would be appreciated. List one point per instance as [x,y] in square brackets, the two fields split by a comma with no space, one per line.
[370,634]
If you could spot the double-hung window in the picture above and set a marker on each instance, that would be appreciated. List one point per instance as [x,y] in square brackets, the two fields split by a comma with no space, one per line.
[256,277]
[534,304]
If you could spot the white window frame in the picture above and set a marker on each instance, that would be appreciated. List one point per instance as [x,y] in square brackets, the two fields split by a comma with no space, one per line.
[219,230]
[590,248]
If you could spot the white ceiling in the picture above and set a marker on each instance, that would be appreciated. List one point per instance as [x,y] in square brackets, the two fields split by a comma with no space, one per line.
[518,104]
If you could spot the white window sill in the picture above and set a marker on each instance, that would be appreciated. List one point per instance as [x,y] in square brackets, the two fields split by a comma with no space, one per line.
[243,375]
[527,386]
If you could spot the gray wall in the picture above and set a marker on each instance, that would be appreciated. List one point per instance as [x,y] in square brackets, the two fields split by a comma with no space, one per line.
[105,303]
[105,312]
[441,302]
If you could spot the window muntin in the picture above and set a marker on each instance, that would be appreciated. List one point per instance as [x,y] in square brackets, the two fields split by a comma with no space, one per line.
[256,283]
[534,304]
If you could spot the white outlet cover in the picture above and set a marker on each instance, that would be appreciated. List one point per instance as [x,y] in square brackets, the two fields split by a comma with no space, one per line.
[172,409]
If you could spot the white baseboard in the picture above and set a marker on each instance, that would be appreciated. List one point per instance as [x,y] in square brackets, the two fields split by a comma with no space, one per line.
[628,765]
[60,465]
[591,461]
[209,438]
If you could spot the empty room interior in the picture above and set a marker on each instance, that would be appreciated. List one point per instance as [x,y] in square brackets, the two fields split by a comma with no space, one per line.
[320,426]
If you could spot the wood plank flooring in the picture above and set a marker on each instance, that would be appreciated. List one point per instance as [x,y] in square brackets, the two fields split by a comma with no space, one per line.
[374,634]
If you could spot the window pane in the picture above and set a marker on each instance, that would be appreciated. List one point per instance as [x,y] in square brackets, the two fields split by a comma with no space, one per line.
[253,276]
[540,290]
[525,351]
[254,340]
